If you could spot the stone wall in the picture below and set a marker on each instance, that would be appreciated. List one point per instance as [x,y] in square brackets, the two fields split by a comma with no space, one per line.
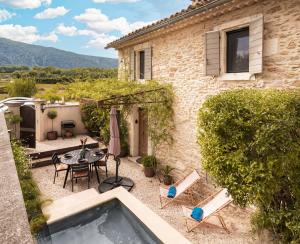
[14,227]
[178,58]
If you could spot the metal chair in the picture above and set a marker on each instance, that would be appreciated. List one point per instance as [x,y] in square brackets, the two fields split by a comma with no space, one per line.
[102,163]
[57,165]
[80,170]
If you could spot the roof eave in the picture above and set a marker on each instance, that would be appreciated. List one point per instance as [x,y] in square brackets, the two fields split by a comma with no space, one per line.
[155,27]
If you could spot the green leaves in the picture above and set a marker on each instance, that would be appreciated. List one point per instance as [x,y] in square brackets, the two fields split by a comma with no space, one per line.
[250,144]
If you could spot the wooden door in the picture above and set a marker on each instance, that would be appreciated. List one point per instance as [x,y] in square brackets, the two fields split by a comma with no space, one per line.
[143,133]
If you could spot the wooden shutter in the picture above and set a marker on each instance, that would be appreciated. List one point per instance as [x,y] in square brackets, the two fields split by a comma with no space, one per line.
[212,53]
[148,63]
[256,46]
[132,65]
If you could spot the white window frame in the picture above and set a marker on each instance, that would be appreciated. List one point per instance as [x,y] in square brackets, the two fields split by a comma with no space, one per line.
[223,29]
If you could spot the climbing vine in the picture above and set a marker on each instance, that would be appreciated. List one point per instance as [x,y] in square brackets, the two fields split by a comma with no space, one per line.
[155,98]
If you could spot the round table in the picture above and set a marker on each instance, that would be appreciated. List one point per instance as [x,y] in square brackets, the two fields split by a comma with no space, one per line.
[89,156]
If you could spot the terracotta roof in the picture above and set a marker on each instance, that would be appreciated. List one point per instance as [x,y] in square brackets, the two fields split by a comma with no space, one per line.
[197,6]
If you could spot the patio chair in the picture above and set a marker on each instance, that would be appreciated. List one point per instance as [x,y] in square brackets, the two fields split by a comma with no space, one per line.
[101,163]
[80,170]
[181,186]
[210,206]
[57,165]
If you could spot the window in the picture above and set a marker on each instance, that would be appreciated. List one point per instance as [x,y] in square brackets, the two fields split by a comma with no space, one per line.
[238,51]
[142,65]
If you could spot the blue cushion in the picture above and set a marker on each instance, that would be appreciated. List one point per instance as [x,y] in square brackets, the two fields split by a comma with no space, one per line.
[197,214]
[172,192]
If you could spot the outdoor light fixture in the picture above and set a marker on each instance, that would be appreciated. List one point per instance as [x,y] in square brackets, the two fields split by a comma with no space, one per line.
[43,107]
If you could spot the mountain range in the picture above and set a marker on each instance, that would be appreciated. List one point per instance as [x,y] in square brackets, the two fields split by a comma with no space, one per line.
[14,53]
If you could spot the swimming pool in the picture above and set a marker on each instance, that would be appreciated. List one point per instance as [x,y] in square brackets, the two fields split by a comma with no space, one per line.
[111,222]
[116,216]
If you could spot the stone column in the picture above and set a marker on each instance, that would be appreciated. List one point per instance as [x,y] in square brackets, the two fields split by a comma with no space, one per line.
[14,108]
[39,120]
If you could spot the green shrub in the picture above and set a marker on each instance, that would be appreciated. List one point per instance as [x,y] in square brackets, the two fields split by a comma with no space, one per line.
[149,161]
[97,120]
[30,190]
[22,88]
[250,144]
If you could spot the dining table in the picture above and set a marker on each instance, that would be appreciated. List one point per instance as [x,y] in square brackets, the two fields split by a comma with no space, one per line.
[90,157]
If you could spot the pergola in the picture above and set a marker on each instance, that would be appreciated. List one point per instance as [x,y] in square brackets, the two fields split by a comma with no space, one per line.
[133,98]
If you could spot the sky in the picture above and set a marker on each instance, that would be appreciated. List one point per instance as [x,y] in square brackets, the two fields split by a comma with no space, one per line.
[81,26]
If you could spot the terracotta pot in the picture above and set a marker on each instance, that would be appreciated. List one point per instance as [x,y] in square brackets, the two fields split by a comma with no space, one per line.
[149,172]
[167,179]
[52,135]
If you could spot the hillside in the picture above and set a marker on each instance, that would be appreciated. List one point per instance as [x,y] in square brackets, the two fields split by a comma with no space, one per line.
[18,53]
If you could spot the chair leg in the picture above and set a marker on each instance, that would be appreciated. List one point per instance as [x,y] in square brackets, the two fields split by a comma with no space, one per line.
[88,182]
[222,222]
[106,170]
[76,180]
[72,183]
[54,177]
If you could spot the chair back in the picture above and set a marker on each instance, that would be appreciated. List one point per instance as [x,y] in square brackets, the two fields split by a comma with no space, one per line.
[218,202]
[80,167]
[55,159]
[187,182]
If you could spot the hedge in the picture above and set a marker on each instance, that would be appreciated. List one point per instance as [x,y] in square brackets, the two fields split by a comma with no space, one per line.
[250,144]
[30,190]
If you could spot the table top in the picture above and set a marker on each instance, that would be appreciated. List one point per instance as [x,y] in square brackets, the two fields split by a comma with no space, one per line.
[90,156]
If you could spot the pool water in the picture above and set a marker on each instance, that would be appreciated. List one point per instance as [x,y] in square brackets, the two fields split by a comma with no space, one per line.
[111,222]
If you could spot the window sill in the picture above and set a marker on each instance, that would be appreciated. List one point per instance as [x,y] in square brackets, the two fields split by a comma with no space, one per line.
[237,76]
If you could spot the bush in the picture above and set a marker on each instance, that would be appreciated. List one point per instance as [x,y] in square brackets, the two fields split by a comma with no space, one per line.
[22,88]
[97,121]
[250,144]
[149,161]
[30,190]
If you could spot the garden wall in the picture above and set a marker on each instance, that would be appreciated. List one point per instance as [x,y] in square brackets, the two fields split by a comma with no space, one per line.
[14,227]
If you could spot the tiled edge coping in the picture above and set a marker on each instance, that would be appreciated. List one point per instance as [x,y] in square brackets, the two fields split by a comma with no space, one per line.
[14,226]
[81,201]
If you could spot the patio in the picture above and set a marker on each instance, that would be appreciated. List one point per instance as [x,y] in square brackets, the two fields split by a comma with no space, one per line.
[147,190]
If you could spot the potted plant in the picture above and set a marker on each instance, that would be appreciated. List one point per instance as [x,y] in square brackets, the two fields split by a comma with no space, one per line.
[149,163]
[52,135]
[14,119]
[167,178]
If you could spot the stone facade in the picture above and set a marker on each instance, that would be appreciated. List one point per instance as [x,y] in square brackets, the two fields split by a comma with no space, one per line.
[178,58]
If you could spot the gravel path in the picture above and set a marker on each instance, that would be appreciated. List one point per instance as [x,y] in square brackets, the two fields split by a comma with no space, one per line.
[147,190]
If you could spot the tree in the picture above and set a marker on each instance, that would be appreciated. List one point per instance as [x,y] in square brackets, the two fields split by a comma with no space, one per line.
[22,88]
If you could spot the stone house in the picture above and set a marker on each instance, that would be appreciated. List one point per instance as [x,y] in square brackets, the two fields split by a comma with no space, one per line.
[212,46]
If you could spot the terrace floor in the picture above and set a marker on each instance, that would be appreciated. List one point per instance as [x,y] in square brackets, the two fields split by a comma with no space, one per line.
[147,191]
[59,143]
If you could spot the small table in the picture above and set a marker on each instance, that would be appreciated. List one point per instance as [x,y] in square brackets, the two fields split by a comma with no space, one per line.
[90,157]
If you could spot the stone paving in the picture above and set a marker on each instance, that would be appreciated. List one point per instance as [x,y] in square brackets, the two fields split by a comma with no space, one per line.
[147,191]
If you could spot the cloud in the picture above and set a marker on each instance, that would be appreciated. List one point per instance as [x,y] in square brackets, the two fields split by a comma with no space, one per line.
[28,34]
[101,41]
[66,30]
[52,13]
[99,22]
[115,1]
[24,4]
[5,15]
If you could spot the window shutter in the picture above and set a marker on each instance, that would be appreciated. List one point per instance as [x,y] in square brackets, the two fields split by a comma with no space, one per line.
[212,53]
[132,65]
[256,46]
[148,63]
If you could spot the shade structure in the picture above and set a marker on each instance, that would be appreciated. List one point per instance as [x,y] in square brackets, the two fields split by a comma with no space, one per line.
[114,148]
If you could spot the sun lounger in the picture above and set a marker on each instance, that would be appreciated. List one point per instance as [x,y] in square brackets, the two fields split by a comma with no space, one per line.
[211,206]
[181,186]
